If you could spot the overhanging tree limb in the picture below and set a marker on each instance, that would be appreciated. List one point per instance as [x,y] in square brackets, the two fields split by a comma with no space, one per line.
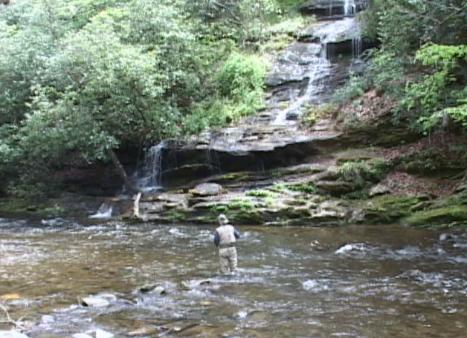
[122,173]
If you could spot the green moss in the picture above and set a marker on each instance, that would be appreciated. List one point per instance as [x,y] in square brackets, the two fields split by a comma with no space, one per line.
[241,204]
[235,176]
[362,173]
[219,208]
[239,211]
[444,162]
[457,213]
[385,209]
[261,193]
[306,187]
[175,215]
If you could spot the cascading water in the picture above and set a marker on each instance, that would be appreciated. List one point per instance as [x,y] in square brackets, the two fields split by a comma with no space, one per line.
[320,68]
[350,7]
[104,211]
[357,47]
[149,178]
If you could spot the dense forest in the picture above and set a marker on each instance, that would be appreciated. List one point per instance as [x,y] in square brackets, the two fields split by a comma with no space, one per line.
[82,79]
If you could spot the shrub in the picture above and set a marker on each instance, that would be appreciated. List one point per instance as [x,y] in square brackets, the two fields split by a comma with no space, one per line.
[353,88]
[360,172]
[241,74]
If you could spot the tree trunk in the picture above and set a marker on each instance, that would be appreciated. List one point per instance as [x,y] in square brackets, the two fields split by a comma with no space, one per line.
[121,171]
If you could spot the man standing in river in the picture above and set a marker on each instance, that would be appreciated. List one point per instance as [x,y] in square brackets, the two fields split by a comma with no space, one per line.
[224,238]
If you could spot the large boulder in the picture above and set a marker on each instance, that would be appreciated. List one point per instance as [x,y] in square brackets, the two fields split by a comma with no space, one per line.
[335,188]
[207,189]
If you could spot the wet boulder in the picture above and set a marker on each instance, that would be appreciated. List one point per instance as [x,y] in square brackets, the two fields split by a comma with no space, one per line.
[153,288]
[379,189]
[207,189]
[101,300]
[335,188]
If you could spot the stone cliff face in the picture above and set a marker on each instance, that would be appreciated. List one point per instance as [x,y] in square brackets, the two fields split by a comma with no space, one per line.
[273,168]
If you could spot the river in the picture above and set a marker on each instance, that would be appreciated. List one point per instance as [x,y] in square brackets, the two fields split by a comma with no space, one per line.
[355,281]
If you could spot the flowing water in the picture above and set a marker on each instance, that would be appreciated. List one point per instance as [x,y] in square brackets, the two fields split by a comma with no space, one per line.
[357,281]
[149,177]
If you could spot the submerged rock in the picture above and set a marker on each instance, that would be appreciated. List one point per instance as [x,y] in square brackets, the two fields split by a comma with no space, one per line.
[153,288]
[94,334]
[101,300]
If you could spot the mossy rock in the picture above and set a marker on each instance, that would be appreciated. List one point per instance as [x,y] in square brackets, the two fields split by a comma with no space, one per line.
[261,193]
[456,213]
[386,209]
[175,215]
[436,162]
[235,177]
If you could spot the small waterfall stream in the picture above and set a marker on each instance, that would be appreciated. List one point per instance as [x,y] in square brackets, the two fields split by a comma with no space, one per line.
[350,7]
[104,211]
[149,177]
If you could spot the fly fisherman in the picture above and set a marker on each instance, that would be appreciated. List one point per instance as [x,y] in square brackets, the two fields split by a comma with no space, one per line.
[224,238]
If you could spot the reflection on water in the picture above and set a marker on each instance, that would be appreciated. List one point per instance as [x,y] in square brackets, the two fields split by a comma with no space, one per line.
[359,281]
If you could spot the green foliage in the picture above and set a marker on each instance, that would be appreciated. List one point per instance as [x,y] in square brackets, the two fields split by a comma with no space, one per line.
[441,22]
[430,96]
[99,75]
[353,88]
[427,82]
[241,74]
[244,21]
[240,82]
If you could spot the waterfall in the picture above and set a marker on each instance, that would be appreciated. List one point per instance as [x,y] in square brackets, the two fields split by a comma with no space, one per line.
[350,7]
[149,178]
[320,68]
[357,47]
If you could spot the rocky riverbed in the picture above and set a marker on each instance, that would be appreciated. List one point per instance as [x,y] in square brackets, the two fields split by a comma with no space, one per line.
[66,279]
